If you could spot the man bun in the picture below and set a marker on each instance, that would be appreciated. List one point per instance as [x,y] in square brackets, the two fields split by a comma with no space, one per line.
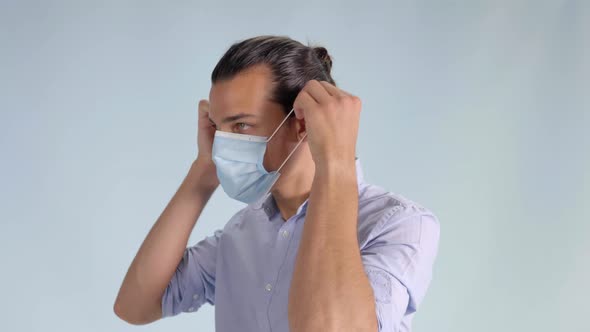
[322,54]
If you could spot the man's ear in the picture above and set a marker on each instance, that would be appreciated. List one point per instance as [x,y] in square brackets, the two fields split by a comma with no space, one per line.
[299,127]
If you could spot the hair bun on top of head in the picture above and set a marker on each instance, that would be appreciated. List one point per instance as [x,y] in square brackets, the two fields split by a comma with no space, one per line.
[322,54]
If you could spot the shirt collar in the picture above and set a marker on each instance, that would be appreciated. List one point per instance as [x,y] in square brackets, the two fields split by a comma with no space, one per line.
[269,205]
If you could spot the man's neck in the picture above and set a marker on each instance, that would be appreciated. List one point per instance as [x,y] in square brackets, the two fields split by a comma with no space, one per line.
[288,207]
[293,191]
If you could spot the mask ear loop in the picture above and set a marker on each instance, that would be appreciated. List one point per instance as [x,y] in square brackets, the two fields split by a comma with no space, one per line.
[296,146]
[280,125]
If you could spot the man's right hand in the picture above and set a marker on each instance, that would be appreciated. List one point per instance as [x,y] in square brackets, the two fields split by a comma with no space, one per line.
[205,136]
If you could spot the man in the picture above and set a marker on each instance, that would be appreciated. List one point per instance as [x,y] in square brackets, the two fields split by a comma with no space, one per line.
[316,248]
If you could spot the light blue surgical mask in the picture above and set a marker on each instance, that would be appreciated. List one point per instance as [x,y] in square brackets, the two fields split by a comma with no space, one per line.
[239,160]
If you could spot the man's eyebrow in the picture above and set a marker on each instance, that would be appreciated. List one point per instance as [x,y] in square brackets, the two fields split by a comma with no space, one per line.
[233,118]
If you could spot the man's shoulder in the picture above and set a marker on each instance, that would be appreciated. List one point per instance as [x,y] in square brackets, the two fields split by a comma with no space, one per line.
[381,210]
[375,199]
[247,212]
[251,218]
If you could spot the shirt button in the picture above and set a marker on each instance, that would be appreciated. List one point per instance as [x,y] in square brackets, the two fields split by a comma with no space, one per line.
[285,233]
[191,308]
[196,296]
[268,287]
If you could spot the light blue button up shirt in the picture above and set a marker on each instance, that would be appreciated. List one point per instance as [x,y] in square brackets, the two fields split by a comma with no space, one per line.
[245,269]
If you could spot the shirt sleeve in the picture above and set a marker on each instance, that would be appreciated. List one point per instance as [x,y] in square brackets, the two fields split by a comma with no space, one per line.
[193,282]
[398,261]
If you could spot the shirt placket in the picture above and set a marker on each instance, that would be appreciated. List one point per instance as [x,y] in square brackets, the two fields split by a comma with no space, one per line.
[284,231]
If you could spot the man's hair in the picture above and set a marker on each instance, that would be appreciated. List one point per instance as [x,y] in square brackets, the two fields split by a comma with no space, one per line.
[292,64]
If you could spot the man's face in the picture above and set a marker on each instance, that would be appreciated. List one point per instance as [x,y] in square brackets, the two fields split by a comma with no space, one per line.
[241,105]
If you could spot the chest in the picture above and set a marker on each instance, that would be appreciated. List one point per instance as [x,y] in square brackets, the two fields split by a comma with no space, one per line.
[253,274]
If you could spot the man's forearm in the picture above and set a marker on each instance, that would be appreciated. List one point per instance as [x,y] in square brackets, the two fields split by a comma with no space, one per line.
[138,300]
[330,290]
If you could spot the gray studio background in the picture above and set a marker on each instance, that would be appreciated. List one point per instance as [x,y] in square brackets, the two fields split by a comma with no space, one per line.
[477,110]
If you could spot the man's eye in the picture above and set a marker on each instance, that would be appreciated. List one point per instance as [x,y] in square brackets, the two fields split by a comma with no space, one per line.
[242,126]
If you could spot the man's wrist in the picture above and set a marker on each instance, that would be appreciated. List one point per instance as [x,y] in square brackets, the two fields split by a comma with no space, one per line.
[336,169]
[203,172]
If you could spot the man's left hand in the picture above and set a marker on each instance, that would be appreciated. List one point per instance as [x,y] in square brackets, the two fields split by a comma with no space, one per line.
[331,120]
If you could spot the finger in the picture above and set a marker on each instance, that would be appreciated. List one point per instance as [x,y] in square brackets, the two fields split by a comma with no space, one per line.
[332,90]
[204,103]
[204,121]
[336,91]
[203,107]
[317,91]
[335,88]
[303,102]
